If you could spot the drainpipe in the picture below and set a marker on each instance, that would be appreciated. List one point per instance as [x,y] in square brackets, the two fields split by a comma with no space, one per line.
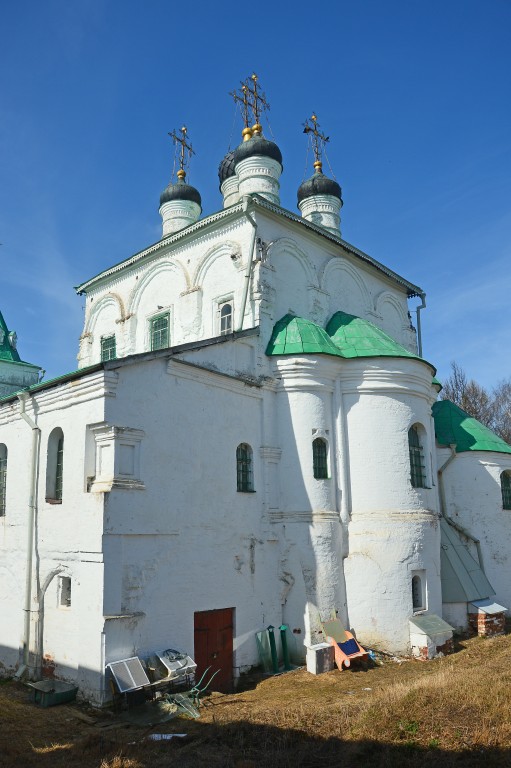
[419,331]
[248,272]
[32,505]
[443,507]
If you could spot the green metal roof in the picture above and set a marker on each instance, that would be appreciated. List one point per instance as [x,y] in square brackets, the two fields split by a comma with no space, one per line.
[437,383]
[356,337]
[455,427]
[7,352]
[295,335]
[462,577]
[346,336]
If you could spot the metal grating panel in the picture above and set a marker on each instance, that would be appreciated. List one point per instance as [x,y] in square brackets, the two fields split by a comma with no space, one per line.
[129,674]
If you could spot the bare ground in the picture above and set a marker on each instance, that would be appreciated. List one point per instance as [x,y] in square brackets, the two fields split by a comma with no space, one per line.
[454,711]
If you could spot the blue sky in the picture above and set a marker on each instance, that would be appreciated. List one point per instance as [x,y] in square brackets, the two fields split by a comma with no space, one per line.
[415,97]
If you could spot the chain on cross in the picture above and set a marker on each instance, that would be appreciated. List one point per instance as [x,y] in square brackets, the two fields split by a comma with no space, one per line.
[318,140]
[185,152]
[253,102]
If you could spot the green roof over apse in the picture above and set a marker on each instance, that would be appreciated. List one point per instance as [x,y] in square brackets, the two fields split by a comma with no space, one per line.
[455,427]
[295,335]
[7,351]
[356,337]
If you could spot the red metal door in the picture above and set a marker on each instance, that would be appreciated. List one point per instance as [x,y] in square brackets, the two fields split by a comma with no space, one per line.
[213,646]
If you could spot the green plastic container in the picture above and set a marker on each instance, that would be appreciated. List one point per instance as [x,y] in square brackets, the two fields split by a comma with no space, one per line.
[49,693]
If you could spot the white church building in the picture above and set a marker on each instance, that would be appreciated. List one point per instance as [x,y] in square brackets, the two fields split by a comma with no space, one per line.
[252,438]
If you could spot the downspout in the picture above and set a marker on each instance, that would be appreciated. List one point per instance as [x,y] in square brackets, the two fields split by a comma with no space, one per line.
[32,505]
[248,272]
[419,331]
[443,507]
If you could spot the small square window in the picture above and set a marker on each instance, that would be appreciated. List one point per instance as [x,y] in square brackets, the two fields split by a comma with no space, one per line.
[64,592]
[108,350]
[160,335]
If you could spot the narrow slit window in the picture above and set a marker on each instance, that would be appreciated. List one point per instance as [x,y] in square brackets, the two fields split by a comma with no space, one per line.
[3,479]
[108,349]
[225,319]
[417,593]
[505,485]
[160,336]
[417,469]
[244,469]
[65,592]
[320,458]
[59,471]
[55,467]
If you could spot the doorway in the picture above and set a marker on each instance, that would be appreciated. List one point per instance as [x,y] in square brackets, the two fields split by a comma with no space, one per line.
[213,646]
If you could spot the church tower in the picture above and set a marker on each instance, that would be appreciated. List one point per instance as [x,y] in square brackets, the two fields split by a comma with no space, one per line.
[15,374]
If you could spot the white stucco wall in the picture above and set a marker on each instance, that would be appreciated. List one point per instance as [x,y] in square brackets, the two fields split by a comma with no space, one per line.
[393,529]
[298,271]
[474,500]
[67,539]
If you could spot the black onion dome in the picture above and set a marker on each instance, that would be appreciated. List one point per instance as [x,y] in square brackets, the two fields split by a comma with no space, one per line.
[180,191]
[226,169]
[257,145]
[319,184]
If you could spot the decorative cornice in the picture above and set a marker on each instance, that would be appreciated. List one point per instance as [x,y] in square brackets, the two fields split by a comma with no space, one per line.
[235,211]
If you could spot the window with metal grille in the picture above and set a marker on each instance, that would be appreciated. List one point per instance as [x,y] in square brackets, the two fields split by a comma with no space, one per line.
[417,473]
[160,337]
[505,485]
[55,466]
[319,458]
[3,478]
[108,350]
[244,470]
[225,319]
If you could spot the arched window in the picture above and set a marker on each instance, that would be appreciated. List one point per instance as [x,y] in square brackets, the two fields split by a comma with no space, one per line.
[3,478]
[505,486]
[244,471]
[55,466]
[417,473]
[417,593]
[225,319]
[319,458]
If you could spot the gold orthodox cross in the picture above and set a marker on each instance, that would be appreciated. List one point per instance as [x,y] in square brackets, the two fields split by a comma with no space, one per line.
[318,140]
[257,102]
[185,152]
[241,97]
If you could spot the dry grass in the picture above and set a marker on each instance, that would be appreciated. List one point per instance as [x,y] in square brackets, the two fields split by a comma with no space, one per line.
[454,711]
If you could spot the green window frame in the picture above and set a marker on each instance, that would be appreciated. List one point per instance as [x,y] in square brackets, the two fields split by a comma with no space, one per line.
[417,468]
[160,332]
[108,348]
[320,458]
[244,468]
[3,479]
[226,318]
[505,486]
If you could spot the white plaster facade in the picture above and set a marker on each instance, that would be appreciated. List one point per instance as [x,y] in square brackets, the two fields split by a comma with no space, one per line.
[150,527]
